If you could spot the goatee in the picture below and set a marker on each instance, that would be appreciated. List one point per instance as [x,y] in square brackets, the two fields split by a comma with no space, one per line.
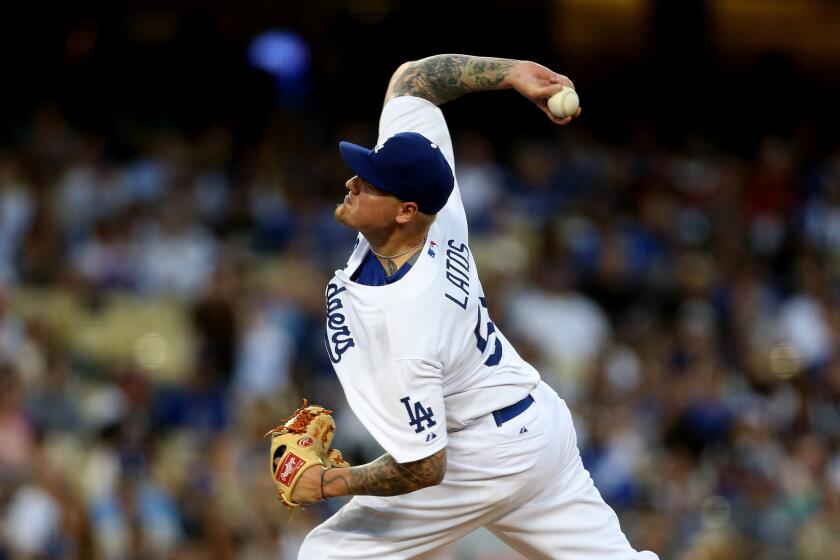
[338,214]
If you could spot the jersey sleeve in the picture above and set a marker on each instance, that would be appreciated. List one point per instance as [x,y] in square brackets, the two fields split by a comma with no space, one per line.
[402,407]
[415,114]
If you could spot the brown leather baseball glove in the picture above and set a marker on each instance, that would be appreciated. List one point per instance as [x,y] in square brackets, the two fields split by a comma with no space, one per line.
[300,442]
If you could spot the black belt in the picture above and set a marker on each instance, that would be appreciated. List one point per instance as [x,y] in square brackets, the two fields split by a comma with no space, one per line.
[510,412]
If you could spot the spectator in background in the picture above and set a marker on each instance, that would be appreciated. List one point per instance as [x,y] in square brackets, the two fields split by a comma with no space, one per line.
[17,438]
[549,303]
[16,209]
[480,179]
[176,253]
[214,319]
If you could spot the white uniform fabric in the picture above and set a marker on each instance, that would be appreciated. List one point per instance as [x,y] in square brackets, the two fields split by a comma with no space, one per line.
[423,367]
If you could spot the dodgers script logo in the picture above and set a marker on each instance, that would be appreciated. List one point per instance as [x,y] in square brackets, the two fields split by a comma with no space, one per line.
[337,337]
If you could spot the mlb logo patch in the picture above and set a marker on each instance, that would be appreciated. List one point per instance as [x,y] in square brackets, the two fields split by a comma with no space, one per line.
[288,468]
[432,248]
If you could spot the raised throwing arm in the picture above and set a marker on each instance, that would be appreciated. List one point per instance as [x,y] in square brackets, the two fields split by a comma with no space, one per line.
[444,77]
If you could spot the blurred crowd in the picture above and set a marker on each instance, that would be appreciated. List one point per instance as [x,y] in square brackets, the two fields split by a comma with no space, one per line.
[161,307]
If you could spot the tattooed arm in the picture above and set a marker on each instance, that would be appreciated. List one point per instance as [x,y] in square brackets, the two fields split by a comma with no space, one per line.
[382,477]
[444,77]
[386,477]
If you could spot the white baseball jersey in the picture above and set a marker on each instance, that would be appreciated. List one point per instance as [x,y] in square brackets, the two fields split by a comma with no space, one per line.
[421,356]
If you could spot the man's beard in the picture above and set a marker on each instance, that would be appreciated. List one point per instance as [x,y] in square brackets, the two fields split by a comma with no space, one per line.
[339,214]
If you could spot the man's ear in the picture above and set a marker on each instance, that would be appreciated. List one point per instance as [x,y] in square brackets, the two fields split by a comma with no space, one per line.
[408,213]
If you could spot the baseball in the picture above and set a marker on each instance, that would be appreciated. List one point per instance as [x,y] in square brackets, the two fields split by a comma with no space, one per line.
[564,103]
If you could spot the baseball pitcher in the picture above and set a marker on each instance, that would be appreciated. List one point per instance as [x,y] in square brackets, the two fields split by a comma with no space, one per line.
[473,437]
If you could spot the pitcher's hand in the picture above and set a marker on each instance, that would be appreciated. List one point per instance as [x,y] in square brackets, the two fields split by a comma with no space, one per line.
[538,83]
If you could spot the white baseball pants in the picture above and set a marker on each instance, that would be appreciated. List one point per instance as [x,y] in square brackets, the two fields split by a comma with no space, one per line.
[524,481]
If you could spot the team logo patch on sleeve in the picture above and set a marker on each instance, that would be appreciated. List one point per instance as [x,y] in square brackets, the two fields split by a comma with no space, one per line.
[417,414]
[288,468]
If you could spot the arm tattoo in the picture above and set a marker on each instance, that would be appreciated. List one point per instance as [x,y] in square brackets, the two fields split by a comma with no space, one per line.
[444,77]
[386,477]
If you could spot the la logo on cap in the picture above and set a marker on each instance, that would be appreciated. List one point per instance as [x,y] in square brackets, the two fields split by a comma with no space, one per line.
[382,145]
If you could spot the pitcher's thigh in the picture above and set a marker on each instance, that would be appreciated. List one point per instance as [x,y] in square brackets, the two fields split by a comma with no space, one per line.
[568,521]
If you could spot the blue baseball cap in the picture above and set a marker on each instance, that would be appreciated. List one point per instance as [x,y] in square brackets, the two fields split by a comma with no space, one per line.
[407,165]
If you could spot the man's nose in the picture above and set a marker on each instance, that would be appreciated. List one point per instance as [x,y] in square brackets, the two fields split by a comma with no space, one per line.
[352,184]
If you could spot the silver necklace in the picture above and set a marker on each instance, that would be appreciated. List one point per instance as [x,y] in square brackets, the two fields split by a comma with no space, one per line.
[399,254]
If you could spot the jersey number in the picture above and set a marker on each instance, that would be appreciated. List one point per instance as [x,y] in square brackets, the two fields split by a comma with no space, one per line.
[481,342]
